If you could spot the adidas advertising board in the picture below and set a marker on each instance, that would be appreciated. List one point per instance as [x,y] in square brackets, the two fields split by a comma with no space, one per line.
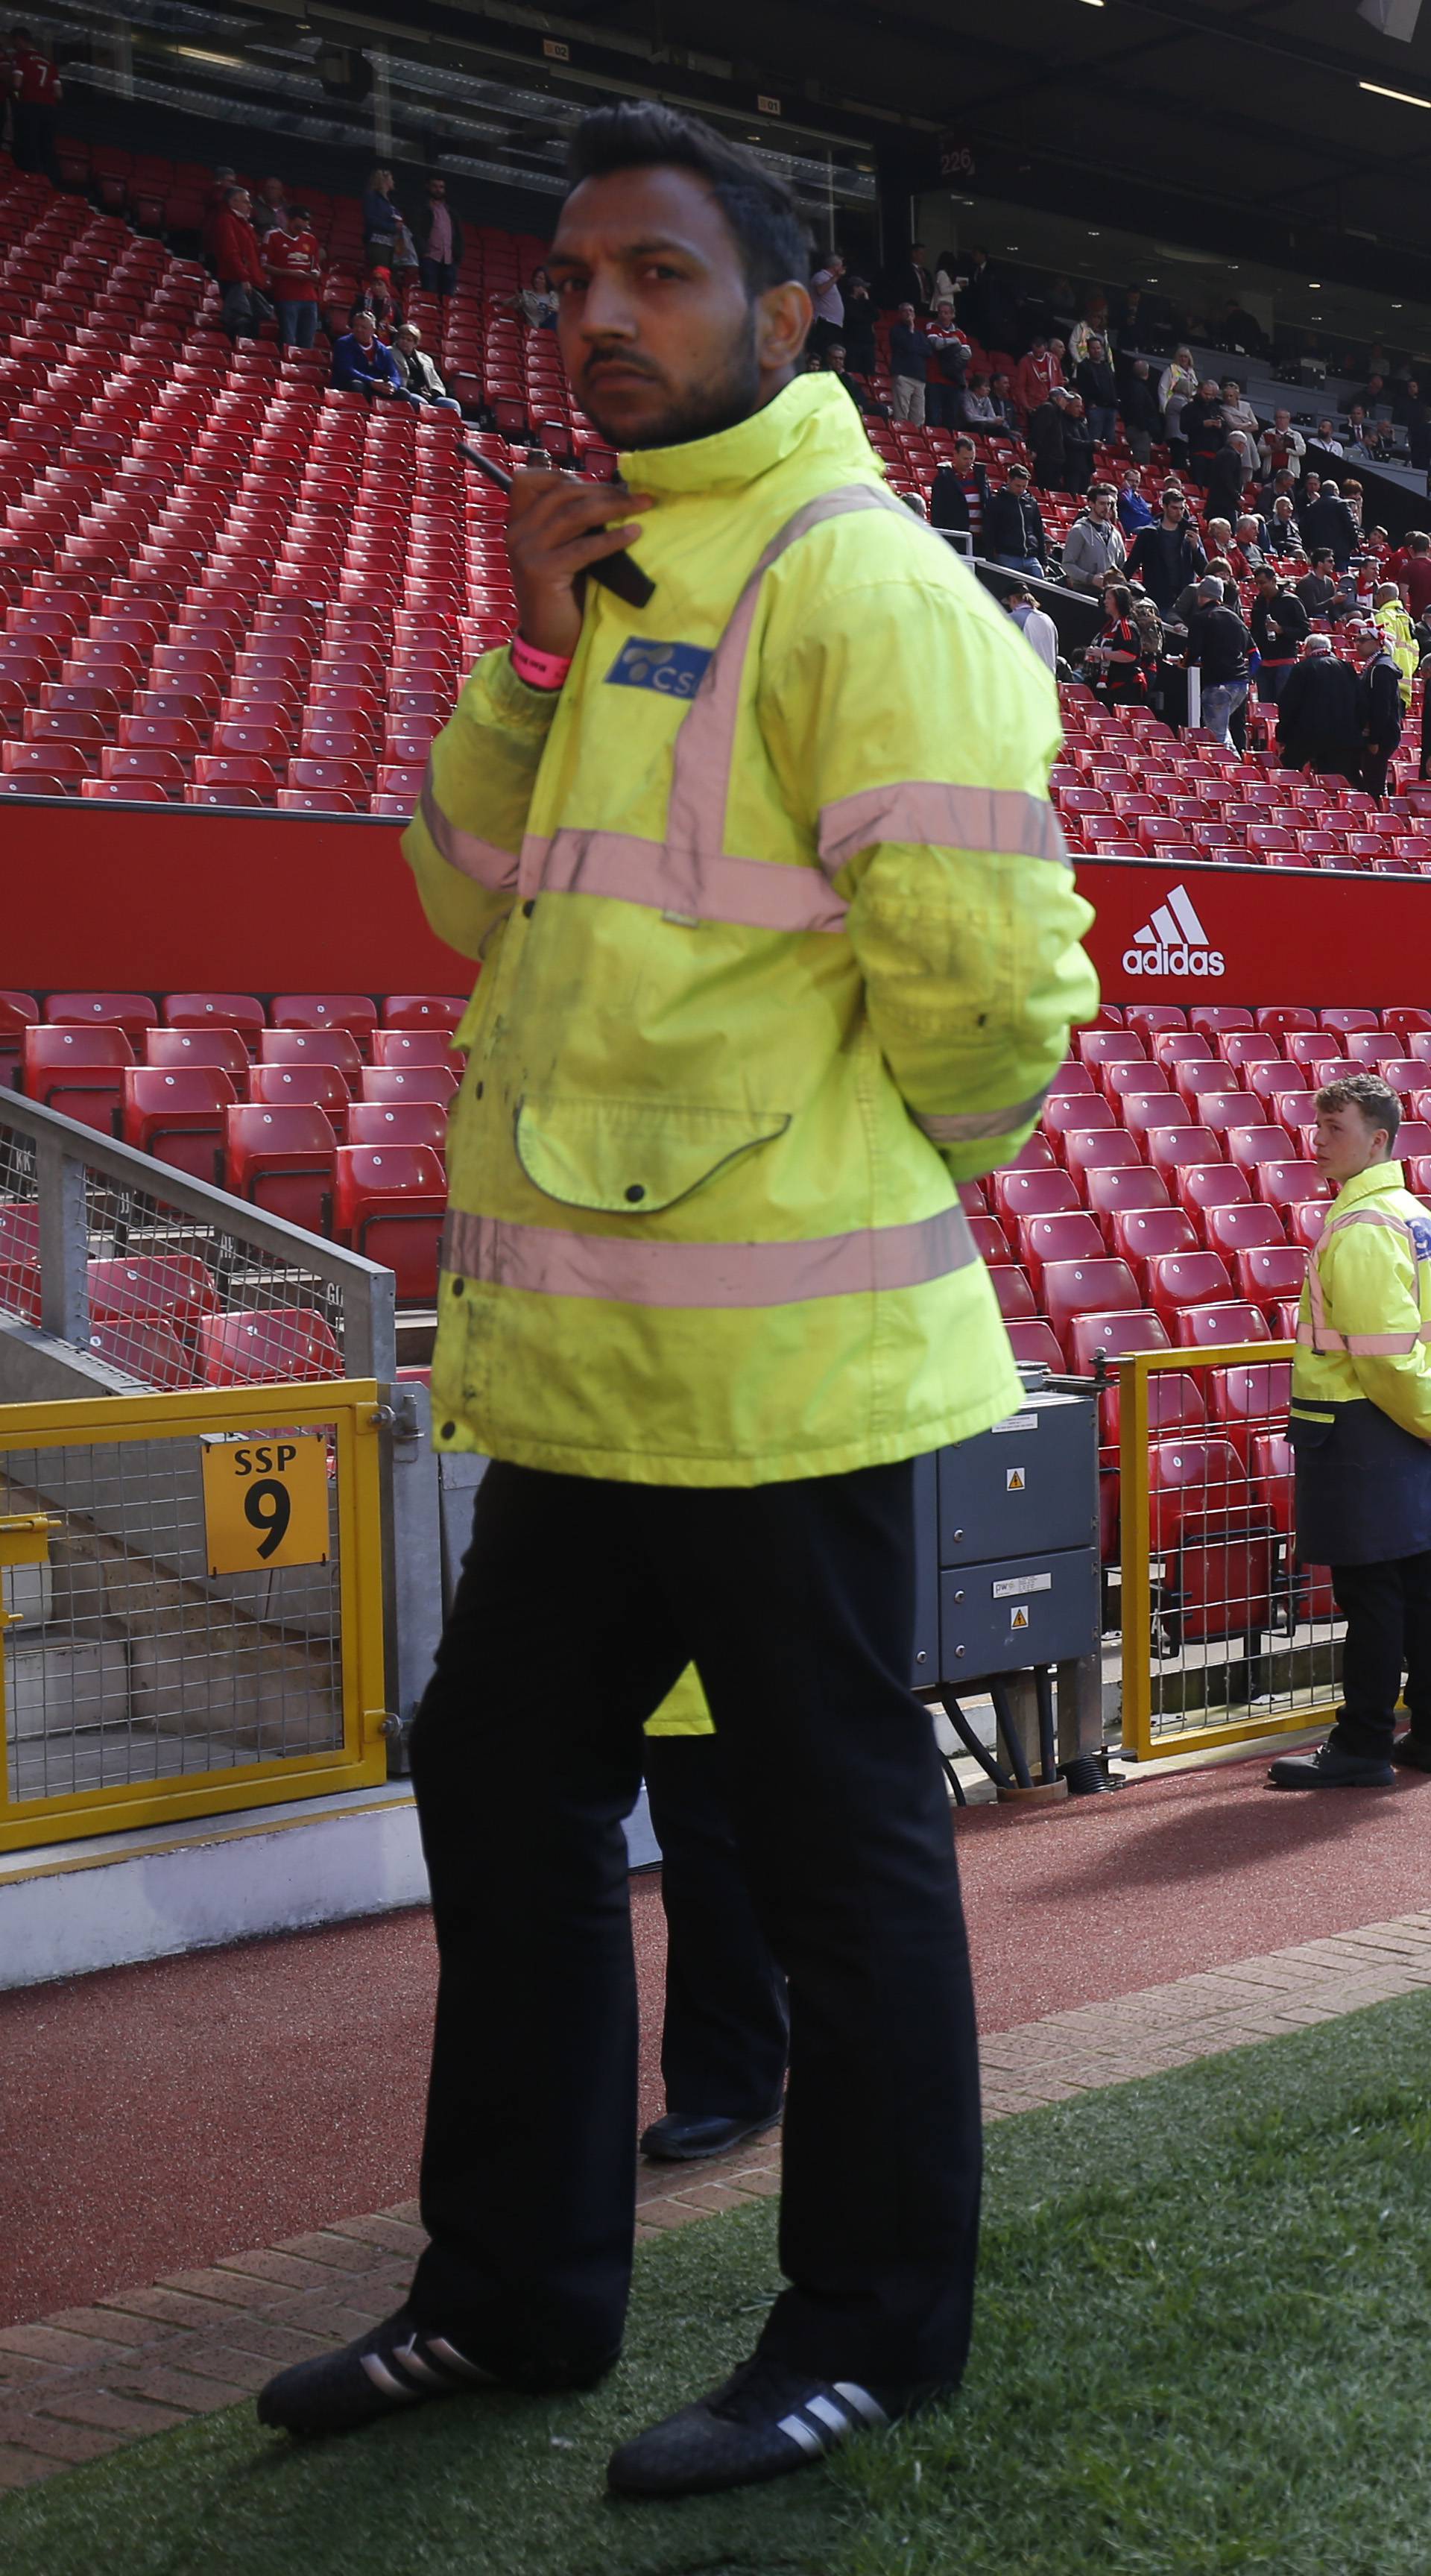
[1174,942]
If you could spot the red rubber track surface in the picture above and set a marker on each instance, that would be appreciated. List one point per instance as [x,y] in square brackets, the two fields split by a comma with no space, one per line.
[155,2117]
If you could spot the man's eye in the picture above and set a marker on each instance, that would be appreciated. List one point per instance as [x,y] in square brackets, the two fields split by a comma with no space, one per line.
[656,269]
[568,285]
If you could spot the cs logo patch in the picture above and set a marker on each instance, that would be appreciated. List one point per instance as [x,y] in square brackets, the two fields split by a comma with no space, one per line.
[673,670]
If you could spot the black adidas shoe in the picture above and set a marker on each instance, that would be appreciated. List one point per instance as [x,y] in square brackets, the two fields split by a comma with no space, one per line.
[764,2421]
[395,2365]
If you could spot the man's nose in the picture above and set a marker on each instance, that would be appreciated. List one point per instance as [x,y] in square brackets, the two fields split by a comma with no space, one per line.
[607,311]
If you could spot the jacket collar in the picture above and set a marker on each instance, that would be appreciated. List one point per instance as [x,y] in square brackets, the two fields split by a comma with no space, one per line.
[1377,1178]
[812,419]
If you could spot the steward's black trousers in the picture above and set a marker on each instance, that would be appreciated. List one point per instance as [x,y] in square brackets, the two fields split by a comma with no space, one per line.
[1388,1614]
[579,1605]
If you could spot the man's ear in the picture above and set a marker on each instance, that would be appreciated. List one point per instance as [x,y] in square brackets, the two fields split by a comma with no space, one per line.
[783,315]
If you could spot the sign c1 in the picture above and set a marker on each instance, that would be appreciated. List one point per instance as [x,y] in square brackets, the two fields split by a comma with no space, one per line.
[956,159]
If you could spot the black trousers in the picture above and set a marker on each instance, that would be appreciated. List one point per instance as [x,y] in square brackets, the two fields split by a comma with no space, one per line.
[1388,1616]
[726,2026]
[796,1603]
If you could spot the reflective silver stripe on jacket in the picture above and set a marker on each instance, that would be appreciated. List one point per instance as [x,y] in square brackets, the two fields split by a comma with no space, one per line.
[972,1128]
[629,1270]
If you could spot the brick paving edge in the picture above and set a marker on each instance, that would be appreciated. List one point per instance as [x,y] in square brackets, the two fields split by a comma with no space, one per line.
[88,2380]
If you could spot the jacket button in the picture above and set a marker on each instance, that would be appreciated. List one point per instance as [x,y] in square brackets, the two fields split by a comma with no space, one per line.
[636,1191]
[529,908]
[481,1087]
[458,1285]
[449,1430]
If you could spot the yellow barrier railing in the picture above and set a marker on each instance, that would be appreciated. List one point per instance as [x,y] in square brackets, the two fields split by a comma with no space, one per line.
[192,1595]
[1225,1634]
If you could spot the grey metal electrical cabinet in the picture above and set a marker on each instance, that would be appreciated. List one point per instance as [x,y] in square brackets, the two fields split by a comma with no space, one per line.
[1007,1570]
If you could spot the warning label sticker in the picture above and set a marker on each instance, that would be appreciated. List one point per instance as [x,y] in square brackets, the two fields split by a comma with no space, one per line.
[1013,1480]
[1016,1422]
[1014,1585]
[1018,1617]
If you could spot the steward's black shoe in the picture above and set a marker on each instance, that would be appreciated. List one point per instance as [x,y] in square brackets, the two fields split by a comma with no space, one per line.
[1330,1768]
[683,2137]
[762,2422]
[1412,1753]
[393,2366]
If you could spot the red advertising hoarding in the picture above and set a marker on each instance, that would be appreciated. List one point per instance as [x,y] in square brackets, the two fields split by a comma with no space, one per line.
[158,899]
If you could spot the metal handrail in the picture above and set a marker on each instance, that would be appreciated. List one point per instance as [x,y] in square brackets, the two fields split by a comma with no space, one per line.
[65,1147]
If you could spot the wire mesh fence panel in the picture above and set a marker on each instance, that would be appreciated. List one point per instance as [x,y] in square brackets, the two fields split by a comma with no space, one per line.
[173,1283]
[1225,1631]
[206,1602]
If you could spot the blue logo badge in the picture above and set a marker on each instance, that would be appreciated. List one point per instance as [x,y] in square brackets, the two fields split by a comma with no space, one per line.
[675,670]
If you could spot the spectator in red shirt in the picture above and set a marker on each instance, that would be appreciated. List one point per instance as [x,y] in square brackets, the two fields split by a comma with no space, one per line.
[1411,567]
[1035,377]
[37,91]
[215,205]
[239,267]
[291,251]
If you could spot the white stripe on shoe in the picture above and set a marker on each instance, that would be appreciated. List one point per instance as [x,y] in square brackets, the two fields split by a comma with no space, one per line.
[831,2424]
[799,2431]
[451,2359]
[381,2377]
[862,2402]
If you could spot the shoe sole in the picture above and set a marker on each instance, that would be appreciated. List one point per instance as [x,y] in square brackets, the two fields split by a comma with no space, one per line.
[1388,1783]
[702,2155]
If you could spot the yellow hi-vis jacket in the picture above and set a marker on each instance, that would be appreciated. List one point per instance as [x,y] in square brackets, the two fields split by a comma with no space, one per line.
[780,943]
[685,1709]
[1361,1378]
[1394,619]
[1364,1324]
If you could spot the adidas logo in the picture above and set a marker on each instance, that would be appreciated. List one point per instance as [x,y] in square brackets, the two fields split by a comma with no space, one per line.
[1174,942]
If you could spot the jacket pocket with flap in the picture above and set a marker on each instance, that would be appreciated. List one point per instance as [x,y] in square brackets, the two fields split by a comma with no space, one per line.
[632,1157]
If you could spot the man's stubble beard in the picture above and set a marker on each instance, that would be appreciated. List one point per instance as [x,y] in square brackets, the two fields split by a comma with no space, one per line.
[720,403]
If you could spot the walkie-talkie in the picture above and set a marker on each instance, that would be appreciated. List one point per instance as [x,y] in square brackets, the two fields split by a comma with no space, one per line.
[616,572]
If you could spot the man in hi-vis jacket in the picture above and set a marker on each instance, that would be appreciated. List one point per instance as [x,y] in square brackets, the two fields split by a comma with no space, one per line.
[779,944]
[1361,1431]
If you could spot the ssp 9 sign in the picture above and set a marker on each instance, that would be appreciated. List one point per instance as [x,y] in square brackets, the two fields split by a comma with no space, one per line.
[265,1502]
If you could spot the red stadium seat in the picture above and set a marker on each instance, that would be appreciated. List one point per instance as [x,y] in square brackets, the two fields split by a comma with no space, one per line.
[1045,1193]
[176,1114]
[282,1159]
[1256,1391]
[423,1010]
[175,1286]
[1270,1272]
[1175,1403]
[408,1082]
[990,1241]
[389,1203]
[1242,1227]
[1015,1296]
[77,1070]
[150,1351]
[1224,1320]
[322,1086]
[424,1122]
[357,1013]
[1120,1191]
[1096,1286]
[1180,1279]
[217,1046]
[1144,1235]
[241,1011]
[1113,1336]
[132,1012]
[1068,1236]
[1032,1343]
[1074,1113]
[1282,1182]
[269,1347]
[1098,1151]
[332,1046]
[1306,1220]
[1172,1149]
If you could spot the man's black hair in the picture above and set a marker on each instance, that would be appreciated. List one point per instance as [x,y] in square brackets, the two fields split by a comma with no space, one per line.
[642,134]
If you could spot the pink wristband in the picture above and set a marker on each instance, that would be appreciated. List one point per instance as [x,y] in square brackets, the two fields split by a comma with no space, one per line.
[538,670]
